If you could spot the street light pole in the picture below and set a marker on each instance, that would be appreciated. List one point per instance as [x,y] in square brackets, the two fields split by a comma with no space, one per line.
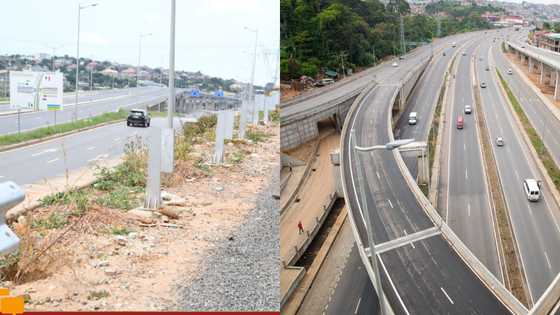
[139,56]
[171,100]
[371,243]
[251,88]
[80,8]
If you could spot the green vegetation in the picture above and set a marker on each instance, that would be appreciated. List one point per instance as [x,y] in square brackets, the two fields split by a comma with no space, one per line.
[322,35]
[44,132]
[97,295]
[120,230]
[544,155]
[459,18]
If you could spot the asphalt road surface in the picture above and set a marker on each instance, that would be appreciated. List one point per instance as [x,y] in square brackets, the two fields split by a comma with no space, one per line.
[535,227]
[94,107]
[32,164]
[425,278]
[467,202]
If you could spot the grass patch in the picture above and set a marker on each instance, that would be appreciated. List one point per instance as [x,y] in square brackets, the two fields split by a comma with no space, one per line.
[55,220]
[237,157]
[256,135]
[544,155]
[97,295]
[44,132]
[275,116]
[118,230]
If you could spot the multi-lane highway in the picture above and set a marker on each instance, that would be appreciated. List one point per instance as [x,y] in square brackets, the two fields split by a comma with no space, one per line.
[32,164]
[94,105]
[535,226]
[465,199]
[427,276]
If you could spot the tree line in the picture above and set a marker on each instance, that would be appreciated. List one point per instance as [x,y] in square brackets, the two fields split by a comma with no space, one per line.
[317,35]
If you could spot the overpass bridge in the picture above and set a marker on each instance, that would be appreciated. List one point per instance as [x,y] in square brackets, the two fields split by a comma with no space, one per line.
[545,63]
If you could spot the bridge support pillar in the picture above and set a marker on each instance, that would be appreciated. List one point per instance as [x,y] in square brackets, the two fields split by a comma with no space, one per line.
[552,80]
[530,65]
[335,160]
[557,87]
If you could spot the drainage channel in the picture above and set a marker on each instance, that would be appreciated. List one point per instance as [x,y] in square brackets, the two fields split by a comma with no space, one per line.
[309,255]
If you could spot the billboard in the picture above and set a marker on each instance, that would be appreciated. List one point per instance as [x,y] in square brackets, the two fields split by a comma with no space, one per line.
[36,90]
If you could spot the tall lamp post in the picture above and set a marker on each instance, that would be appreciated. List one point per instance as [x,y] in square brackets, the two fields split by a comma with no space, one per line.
[371,244]
[139,56]
[251,88]
[80,8]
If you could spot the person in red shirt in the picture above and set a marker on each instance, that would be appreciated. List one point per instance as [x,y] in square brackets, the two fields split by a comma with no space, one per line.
[300,227]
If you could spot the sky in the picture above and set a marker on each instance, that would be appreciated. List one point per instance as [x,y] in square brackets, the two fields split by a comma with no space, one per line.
[210,34]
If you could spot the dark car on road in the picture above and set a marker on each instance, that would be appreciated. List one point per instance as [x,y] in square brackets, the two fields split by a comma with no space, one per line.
[138,117]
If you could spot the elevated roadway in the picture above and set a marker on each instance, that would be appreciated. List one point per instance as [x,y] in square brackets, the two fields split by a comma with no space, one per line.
[427,276]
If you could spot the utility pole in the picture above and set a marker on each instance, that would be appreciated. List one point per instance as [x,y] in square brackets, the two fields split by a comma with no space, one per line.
[251,88]
[139,56]
[403,45]
[342,55]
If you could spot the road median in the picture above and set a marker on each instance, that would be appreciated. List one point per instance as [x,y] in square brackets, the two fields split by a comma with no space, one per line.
[514,277]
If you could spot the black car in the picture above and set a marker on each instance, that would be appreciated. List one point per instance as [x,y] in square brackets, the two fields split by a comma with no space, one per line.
[138,117]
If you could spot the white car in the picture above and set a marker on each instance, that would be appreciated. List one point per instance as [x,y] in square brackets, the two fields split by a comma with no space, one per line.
[500,141]
[395,64]
[468,109]
[509,71]
[532,188]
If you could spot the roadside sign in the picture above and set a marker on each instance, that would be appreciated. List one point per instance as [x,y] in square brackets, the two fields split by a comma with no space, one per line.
[51,91]
[36,90]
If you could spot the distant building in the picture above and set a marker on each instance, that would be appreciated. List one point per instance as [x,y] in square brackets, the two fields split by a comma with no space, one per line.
[550,41]
[128,73]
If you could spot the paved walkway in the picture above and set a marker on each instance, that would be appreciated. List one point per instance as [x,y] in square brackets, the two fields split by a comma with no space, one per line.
[314,194]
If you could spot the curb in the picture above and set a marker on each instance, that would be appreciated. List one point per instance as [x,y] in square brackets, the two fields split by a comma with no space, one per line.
[12,215]
[299,293]
[45,139]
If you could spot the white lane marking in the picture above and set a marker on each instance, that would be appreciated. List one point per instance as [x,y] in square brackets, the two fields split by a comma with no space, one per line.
[52,161]
[90,148]
[464,146]
[44,152]
[516,173]
[117,139]
[469,208]
[378,177]
[466,174]
[450,300]
[547,260]
[411,243]
[357,306]
[390,203]
[393,286]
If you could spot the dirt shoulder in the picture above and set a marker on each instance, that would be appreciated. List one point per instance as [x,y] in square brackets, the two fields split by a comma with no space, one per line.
[106,259]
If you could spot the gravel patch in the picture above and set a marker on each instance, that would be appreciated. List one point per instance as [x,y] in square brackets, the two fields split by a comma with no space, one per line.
[242,273]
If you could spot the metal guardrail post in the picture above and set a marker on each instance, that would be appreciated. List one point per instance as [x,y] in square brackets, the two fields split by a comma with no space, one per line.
[10,196]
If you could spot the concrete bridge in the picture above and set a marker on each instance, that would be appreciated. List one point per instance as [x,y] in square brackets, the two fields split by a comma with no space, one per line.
[539,61]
